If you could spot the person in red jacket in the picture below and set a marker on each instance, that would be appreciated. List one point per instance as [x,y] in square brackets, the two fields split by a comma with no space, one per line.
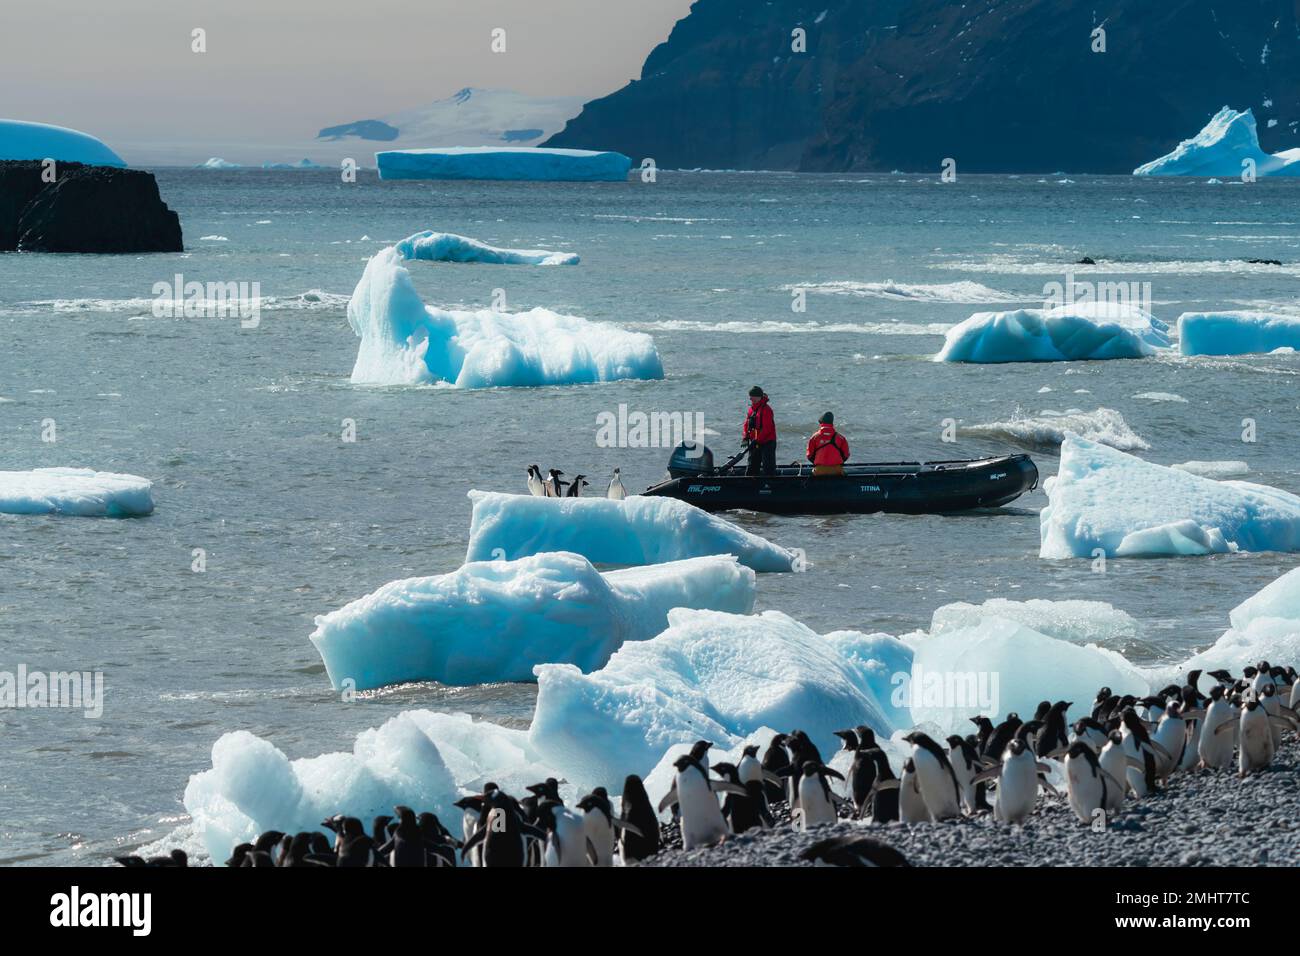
[760,434]
[827,450]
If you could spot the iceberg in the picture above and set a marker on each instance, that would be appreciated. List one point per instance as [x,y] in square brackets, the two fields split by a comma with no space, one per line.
[419,759]
[1265,626]
[19,140]
[716,676]
[405,342]
[75,491]
[1078,622]
[503,162]
[448,247]
[1222,148]
[1049,428]
[1236,333]
[1067,333]
[493,621]
[216,162]
[634,531]
[997,665]
[1104,500]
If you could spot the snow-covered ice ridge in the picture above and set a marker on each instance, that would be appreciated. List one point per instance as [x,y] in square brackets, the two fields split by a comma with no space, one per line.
[1236,333]
[405,342]
[727,677]
[638,530]
[449,247]
[1102,499]
[1067,333]
[502,162]
[19,140]
[1219,149]
[494,620]
[75,491]
[1049,428]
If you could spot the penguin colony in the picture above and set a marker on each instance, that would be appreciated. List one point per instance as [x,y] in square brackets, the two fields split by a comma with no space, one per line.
[551,485]
[1125,748]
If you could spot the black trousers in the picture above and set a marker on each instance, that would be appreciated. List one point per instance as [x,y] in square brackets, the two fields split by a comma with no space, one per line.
[762,459]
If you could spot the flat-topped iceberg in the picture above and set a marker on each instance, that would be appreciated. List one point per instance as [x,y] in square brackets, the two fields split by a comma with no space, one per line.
[492,621]
[1236,333]
[419,759]
[19,140]
[715,676]
[75,491]
[1222,148]
[503,162]
[636,530]
[449,247]
[1104,500]
[1067,333]
[405,342]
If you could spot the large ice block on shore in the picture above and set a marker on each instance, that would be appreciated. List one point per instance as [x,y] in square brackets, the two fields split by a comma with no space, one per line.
[1236,333]
[635,530]
[1102,499]
[715,676]
[500,162]
[75,491]
[492,621]
[405,342]
[1067,333]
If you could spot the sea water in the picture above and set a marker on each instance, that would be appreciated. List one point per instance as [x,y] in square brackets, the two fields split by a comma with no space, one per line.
[283,491]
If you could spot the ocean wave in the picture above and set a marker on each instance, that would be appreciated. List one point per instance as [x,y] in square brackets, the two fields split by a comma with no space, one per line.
[1048,429]
[964,292]
[1010,265]
[311,300]
[795,328]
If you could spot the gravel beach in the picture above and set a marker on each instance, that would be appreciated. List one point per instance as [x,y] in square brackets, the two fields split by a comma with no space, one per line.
[1202,818]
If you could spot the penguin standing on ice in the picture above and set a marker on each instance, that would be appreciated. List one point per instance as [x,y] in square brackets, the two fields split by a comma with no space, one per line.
[575,487]
[616,489]
[643,841]
[555,487]
[935,777]
[536,487]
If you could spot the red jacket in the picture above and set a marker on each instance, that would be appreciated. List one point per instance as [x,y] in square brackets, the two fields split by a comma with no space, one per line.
[828,447]
[760,423]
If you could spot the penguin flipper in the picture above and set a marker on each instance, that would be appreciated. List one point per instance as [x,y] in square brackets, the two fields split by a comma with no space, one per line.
[726,786]
[1227,725]
[592,856]
[884,785]
[627,825]
[1156,746]
[670,799]
[477,838]
[773,779]
[1107,775]
[1281,723]
[989,773]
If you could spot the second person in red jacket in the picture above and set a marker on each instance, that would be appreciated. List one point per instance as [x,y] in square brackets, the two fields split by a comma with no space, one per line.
[828,450]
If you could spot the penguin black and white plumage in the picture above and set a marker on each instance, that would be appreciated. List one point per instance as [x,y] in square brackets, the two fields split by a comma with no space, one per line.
[1090,731]
[439,845]
[598,820]
[173,860]
[1017,792]
[983,731]
[1171,734]
[911,805]
[749,768]
[635,808]
[861,778]
[1002,735]
[1254,739]
[1214,748]
[1115,762]
[405,845]
[885,791]
[555,487]
[1054,739]
[575,487]
[802,750]
[853,850]
[775,759]
[501,837]
[935,777]
[536,487]
[965,763]
[696,797]
[616,490]
[566,837]
[1087,785]
[1144,751]
[743,811]
[355,847]
[816,801]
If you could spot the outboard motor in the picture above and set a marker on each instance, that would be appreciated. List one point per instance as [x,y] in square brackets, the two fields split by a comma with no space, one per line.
[689,459]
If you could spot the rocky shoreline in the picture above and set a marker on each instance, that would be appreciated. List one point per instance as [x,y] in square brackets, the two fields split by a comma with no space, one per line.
[1202,818]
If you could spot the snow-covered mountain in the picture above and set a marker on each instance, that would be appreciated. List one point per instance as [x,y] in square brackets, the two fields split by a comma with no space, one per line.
[469,117]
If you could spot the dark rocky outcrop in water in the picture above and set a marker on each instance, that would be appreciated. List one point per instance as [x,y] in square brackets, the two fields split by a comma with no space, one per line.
[997,85]
[86,209]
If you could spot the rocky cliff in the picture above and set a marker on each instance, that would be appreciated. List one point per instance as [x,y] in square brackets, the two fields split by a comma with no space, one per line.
[997,85]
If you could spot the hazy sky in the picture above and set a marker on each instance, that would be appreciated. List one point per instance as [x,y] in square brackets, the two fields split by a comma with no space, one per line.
[279,70]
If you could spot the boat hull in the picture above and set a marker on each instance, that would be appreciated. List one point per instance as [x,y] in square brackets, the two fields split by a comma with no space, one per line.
[897,487]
